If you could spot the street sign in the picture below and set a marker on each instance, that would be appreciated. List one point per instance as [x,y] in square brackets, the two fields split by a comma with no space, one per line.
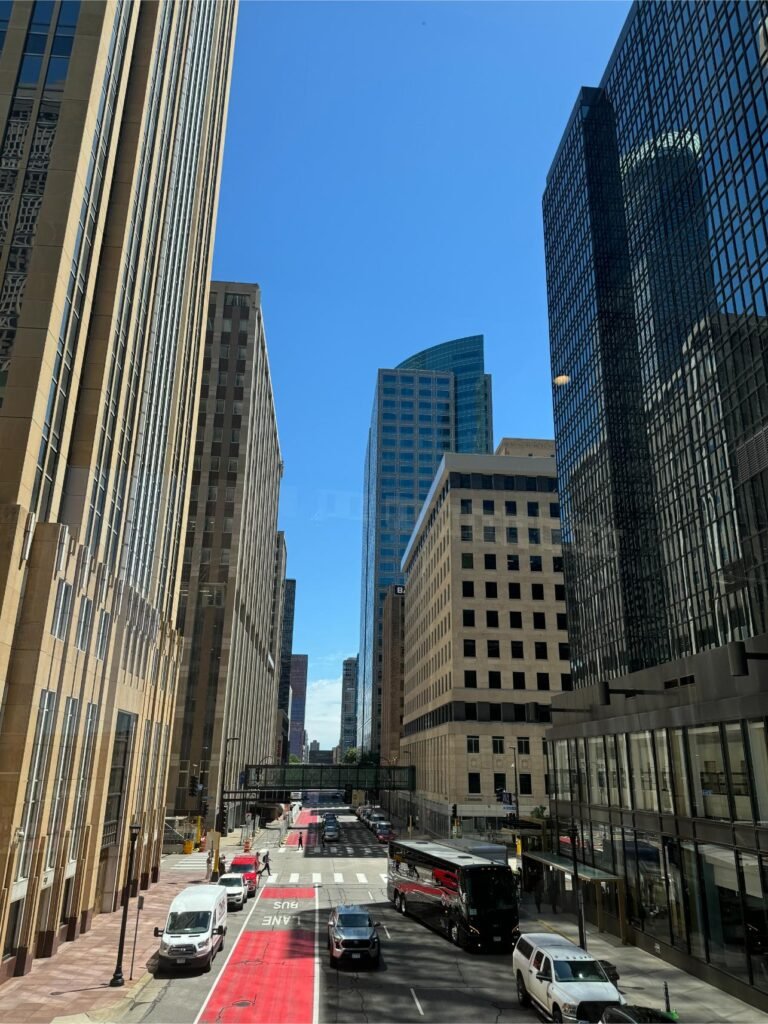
[510,805]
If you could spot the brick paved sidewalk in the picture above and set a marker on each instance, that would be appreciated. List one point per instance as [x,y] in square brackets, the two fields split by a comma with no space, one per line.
[76,980]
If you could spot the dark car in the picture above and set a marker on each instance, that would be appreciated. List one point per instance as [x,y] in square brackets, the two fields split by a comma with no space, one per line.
[352,935]
[635,1015]
[331,832]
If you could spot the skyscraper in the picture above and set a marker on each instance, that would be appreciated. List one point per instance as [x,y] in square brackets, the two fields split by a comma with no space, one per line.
[348,705]
[284,685]
[437,401]
[228,681]
[657,271]
[299,669]
[280,729]
[112,132]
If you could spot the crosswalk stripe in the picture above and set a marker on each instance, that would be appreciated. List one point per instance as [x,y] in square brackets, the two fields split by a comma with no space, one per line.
[383,877]
[272,878]
[316,877]
[338,877]
[362,879]
[294,878]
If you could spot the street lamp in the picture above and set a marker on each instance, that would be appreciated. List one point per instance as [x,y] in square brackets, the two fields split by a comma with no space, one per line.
[230,739]
[573,834]
[117,978]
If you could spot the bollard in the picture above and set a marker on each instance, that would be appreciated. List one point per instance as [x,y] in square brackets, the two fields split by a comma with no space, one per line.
[667,1007]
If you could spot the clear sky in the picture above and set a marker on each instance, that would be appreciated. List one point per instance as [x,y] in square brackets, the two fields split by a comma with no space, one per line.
[382,182]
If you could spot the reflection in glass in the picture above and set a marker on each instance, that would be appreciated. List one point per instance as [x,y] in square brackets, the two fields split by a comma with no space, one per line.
[694,914]
[597,775]
[621,744]
[643,771]
[756,913]
[654,913]
[710,788]
[680,773]
[613,771]
[562,774]
[676,889]
[758,755]
[664,770]
[734,741]
[723,903]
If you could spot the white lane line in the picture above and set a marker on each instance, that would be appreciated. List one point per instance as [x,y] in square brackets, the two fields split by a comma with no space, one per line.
[362,879]
[316,877]
[383,877]
[387,931]
[418,1004]
[232,949]
[294,878]
[316,994]
[338,877]
[370,896]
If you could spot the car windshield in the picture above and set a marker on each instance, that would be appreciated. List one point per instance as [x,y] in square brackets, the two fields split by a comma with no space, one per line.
[236,883]
[242,869]
[490,888]
[188,922]
[354,921]
[579,970]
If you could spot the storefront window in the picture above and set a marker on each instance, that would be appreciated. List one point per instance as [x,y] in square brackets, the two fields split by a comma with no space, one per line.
[631,872]
[613,771]
[758,756]
[694,915]
[737,762]
[602,847]
[621,748]
[710,790]
[756,911]
[676,889]
[562,774]
[664,770]
[643,771]
[680,773]
[654,914]
[598,784]
[581,750]
[723,903]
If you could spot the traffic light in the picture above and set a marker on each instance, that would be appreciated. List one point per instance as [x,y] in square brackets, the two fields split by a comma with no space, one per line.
[204,809]
[454,812]
[223,820]
[193,785]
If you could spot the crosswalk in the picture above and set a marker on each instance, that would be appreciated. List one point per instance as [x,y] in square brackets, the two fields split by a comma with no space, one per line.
[334,850]
[324,878]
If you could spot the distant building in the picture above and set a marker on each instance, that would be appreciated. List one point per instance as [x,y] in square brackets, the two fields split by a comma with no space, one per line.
[298,736]
[284,685]
[348,705]
[280,728]
[392,669]
[314,746]
[437,401]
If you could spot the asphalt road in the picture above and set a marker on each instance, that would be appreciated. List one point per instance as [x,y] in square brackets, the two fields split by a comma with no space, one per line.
[277,944]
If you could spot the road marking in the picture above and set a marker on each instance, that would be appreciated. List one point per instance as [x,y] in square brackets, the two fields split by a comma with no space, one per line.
[338,877]
[294,878]
[384,878]
[362,879]
[232,948]
[316,994]
[387,931]
[271,879]
[316,877]
[418,1004]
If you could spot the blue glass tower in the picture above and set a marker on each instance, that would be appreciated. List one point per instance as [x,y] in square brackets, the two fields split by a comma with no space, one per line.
[437,401]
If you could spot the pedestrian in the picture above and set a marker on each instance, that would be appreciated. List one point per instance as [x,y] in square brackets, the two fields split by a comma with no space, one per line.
[266,863]
[208,865]
[538,893]
[222,864]
[553,895]
[301,840]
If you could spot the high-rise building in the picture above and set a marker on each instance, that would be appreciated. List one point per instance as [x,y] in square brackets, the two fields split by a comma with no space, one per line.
[112,120]
[485,590]
[228,681]
[298,736]
[348,705]
[284,685]
[435,402]
[392,672]
[280,730]
[657,270]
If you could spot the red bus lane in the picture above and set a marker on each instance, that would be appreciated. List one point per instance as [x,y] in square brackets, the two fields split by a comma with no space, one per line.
[270,975]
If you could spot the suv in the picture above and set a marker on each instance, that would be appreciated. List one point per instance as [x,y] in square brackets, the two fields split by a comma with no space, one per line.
[352,935]
[563,981]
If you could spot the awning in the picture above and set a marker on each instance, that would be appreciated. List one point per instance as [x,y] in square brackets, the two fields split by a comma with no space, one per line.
[565,864]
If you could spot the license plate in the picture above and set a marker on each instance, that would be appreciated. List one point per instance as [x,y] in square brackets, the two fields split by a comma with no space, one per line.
[497,938]
[355,956]
[181,960]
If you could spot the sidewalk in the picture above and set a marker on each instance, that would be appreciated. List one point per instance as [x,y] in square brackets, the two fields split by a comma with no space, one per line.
[643,975]
[73,985]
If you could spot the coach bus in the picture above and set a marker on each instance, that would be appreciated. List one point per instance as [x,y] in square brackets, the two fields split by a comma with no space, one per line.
[470,899]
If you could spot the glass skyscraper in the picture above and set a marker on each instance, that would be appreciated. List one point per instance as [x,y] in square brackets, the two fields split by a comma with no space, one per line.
[436,401]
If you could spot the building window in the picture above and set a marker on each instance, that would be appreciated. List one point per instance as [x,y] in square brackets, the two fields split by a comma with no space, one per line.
[539,620]
[514,591]
[523,745]
[489,561]
[61,610]
[515,620]
[557,537]
[489,534]
[542,680]
[534,535]
[492,619]
[494,680]
[511,535]
[566,683]
[499,782]
[554,510]
[564,652]
[510,508]
[470,677]
[491,589]
[84,624]
[467,617]
[559,591]
[533,509]
[524,784]
[517,649]
[467,588]
[518,680]
[497,744]
[535,562]
[513,563]
[466,506]
[467,560]
[469,648]
[102,636]
[537,591]
[488,508]
[562,621]
[466,533]
[473,744]
[470,712]
[540,650]
[493,649]
[473,782]
[557,563]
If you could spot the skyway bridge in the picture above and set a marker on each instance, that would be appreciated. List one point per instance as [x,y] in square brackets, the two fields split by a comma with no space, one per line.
[279,780]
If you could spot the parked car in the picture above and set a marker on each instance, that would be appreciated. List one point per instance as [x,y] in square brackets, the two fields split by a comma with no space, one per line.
[375,818]
[237,889]
[635,1015]
[367,812]
[352,935]
[195,928]
[383,831]
[247,865]
[564,982]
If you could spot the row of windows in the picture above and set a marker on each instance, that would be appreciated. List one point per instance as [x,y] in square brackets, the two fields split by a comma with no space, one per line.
[501,482]
[514,591]
[539,619]
[535,562]
[517,649]
[523,745]
[511,534]
[519,680]
[510,508]
[524,783]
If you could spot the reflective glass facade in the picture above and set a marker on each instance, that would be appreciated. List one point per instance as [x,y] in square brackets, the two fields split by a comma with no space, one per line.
[435,402]
[657,268]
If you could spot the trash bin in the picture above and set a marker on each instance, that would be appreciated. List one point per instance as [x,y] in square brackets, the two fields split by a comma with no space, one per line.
[189,846]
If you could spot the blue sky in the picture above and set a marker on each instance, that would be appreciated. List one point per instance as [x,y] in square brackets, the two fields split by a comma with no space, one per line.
[382,182]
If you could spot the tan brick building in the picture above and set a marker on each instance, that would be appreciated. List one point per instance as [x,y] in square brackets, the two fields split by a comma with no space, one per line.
[112,121]
[485,634]
[392,665]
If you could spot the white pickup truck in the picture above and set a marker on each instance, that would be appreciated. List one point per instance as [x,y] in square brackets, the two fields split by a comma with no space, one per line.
[563,981]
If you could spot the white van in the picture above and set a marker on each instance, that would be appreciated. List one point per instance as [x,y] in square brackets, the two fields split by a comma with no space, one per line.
[195,929]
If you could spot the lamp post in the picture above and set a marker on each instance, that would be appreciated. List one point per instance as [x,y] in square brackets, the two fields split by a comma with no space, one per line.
[117,978]
[220,822]
[573,834]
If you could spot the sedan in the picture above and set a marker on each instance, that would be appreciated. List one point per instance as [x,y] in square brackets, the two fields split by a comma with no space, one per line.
[352,936]
[237,890]
[384,832]
[331,833]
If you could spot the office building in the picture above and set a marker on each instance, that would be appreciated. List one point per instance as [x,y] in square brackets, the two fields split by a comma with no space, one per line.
[437,401]
[227,691]
[298,736]
[280,730]
[654,216]
[485,635]
[111,158]
[284,685]
[348,705]
[392,673]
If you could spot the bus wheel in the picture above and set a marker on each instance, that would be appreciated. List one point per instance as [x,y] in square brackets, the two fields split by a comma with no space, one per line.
[403,904]
[522,992]
[455,935]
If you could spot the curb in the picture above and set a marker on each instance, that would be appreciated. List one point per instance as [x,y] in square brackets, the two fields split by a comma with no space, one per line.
[114,1012]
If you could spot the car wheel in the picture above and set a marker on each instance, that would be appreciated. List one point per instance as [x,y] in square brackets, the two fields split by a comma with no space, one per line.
[396,900]
[522,992]
[331,959]
[403,904]
[453,931]
[376,961]
[557,1016]
[208,964]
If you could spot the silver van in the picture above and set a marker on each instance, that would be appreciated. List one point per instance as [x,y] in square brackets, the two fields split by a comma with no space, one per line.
[195,929]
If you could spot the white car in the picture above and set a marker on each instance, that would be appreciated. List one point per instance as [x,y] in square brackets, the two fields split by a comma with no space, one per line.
[563,981]
[237,889]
